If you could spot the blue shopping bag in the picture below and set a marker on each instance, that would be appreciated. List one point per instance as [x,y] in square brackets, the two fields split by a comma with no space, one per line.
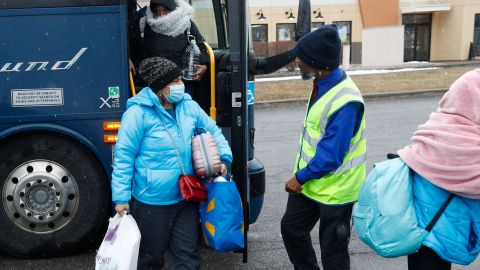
[222,217]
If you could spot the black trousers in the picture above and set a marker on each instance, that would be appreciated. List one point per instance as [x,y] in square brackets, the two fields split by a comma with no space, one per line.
[426,259]
[171,229]
[298,221]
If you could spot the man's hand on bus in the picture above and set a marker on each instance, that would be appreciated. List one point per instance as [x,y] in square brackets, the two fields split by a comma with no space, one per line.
[201,70]
[122,208]
[293,186]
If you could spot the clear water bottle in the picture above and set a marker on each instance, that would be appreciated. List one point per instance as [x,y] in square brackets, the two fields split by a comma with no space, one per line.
[191,58]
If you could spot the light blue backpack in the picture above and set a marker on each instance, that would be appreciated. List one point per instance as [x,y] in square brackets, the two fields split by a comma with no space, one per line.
[384,216]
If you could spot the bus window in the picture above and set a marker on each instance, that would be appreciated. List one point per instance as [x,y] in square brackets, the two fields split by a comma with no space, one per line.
[204,18]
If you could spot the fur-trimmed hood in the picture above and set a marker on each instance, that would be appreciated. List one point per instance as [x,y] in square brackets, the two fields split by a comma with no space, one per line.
[174,23]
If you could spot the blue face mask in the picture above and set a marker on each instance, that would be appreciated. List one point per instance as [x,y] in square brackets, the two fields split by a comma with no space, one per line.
[176,93]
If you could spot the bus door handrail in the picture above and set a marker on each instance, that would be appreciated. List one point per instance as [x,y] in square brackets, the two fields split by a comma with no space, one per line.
[213,108]
[132,84]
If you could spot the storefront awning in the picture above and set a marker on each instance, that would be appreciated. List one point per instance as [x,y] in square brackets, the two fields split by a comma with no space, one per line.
[426,8]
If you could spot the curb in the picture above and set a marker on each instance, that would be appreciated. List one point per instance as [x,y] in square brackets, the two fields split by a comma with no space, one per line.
[425,92]
[301,101]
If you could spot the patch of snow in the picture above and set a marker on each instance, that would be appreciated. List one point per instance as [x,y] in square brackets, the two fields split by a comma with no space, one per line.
[353,72]
[381,71]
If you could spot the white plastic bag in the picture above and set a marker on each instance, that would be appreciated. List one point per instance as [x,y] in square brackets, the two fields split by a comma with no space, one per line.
[120,246]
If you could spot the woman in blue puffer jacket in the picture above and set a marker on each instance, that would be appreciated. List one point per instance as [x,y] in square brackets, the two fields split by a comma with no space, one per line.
[454,238]
[444,155]
[147,168]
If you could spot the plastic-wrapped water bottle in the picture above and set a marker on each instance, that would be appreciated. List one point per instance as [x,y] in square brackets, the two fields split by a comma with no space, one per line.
[190,59]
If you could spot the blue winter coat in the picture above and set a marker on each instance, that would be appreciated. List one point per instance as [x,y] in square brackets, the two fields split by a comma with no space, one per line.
[455,236]
[146,165]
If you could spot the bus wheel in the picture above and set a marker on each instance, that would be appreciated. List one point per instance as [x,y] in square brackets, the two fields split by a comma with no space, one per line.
[55,196]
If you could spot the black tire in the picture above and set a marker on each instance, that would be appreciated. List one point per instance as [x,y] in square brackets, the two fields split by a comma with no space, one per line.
[93,204]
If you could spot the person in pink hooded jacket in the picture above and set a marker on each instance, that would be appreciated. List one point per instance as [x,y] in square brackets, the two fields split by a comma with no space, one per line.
[444,155]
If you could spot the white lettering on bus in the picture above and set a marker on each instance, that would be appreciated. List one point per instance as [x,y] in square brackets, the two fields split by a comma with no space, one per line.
[42,65]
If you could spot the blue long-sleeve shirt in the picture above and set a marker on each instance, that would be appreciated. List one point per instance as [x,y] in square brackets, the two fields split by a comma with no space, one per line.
[340,129]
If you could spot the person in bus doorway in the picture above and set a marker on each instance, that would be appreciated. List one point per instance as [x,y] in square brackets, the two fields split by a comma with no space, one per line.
[444,158]
[167,31]
[330,162]
[158,122]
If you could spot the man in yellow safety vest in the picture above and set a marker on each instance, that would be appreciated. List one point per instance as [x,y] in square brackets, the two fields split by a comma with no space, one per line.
[330,162]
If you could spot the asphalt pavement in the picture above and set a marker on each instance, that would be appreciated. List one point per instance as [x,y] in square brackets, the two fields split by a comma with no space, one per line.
[390,123]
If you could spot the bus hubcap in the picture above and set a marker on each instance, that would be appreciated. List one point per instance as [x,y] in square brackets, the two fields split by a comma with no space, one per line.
[40,196]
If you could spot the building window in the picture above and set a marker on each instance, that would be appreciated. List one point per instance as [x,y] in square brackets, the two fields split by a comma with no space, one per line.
[345,31]
[316,25]
[476,30]
[260,32]
[285,31]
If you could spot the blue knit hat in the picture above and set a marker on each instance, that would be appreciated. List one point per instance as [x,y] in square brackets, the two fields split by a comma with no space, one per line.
[321,48]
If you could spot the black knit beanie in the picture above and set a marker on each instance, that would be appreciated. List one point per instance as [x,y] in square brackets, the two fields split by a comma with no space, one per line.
[170,4]
[321,48]
[158,72]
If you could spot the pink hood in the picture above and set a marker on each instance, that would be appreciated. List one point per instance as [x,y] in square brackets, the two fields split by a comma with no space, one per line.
[446,149]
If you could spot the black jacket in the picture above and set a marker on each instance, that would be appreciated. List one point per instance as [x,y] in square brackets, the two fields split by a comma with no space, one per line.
[172,48]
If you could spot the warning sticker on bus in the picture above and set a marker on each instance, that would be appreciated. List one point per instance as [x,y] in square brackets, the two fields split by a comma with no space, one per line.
[37,97]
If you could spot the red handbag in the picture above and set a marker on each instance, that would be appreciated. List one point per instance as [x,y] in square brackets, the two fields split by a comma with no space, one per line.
[192,189]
